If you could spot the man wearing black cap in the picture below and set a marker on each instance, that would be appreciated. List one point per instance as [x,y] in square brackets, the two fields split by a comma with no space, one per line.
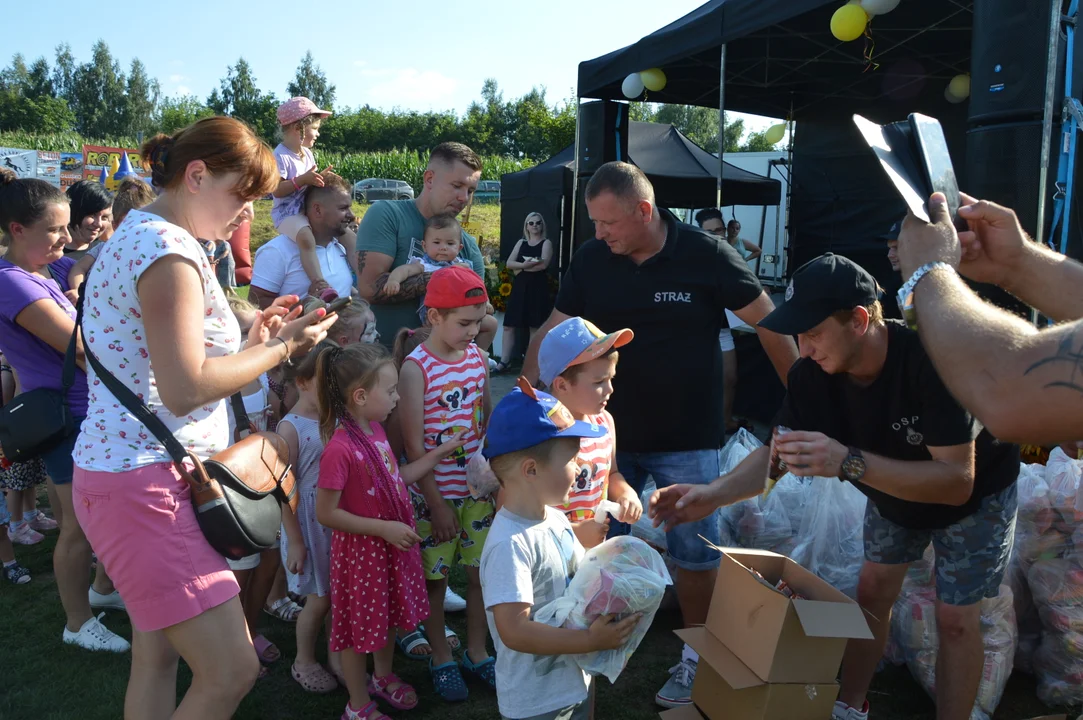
[866,405]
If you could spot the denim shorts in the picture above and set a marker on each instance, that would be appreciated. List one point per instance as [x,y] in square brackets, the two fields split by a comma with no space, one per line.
[696,467]
[971,555]
[5,516]
[58,462]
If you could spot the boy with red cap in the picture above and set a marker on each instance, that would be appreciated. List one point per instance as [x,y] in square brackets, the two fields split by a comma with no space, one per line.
[444,390]
[577,362]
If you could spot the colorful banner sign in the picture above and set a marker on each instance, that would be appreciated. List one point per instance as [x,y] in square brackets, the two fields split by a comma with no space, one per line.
[96,157]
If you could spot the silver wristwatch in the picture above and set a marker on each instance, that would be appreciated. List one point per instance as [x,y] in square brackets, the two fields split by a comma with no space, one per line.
[905,297]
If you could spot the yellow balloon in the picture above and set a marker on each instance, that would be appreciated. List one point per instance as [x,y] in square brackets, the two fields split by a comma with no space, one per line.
[960,86]
[653,79]
[775,133]
[848,22]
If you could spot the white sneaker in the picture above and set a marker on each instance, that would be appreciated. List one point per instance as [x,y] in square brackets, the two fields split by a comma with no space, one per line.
[843,711]
[95,636]
[453,602]
[112,601]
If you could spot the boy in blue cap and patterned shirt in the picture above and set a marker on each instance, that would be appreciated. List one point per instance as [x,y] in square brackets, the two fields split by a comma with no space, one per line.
[530,557]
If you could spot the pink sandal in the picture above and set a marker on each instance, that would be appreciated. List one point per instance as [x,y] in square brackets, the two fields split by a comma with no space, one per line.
[379,687]
[266,650]
[364,713]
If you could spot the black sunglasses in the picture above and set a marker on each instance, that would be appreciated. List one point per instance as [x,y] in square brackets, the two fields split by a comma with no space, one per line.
[534,222]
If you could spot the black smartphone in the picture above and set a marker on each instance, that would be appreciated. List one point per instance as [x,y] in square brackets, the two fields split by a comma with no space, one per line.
[914,154]
[932,151]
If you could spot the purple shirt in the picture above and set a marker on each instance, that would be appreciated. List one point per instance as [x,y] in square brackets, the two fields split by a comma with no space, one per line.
[38,364]
[289,167]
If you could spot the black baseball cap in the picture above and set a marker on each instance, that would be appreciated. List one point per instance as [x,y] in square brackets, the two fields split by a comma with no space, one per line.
[893,233]
[819,289]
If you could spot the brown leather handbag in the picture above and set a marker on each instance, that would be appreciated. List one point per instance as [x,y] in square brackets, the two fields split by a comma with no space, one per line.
[237,493]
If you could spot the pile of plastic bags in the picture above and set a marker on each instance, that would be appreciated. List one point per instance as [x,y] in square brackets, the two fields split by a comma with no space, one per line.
[1048,566]
[914,638]
[621,576]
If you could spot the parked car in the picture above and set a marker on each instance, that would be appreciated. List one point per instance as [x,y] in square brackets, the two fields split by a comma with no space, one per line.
[373,189]
[488,192]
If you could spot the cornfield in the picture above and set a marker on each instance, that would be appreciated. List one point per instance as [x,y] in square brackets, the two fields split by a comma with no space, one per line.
[395,164]
[59,142]
[404,165]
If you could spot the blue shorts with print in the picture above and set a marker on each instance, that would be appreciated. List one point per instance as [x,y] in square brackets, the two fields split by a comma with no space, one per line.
[971,555]
[695,467]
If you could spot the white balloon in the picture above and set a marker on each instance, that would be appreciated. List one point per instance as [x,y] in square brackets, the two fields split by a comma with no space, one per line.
[879,7]
[632,87]
[953,99]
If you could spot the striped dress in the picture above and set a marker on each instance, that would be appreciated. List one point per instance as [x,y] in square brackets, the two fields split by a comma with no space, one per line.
[454,395]
[592,481]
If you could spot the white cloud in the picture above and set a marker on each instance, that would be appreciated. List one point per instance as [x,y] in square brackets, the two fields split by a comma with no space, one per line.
[176,78]
[176,63]
[408,87]
[360,63]
[184,90]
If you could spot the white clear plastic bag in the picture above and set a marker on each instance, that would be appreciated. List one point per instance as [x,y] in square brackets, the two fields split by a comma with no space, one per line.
[480,478]
[621,576]
[914,633]
[830,539]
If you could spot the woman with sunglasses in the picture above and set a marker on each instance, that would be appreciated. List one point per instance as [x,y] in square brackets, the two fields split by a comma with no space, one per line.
[530,302]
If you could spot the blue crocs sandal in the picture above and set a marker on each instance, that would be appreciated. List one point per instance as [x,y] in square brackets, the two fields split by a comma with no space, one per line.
[485,670]
[448,681]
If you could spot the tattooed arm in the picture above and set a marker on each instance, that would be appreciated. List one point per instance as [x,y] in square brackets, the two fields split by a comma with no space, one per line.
[372,273]
[1023,384]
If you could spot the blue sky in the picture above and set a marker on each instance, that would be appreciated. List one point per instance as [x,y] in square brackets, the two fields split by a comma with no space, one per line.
[412,54]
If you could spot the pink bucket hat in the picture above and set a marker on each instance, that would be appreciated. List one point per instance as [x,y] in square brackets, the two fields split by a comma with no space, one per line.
[298,108]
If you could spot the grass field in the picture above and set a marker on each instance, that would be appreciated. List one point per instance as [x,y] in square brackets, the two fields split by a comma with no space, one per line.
[485,218]
[47,680]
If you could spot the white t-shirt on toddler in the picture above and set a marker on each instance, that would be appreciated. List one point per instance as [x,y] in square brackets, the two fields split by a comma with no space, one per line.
[531,561]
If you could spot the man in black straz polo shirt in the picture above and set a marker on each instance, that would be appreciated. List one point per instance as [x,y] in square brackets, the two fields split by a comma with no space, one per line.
[670,283]
[866,405]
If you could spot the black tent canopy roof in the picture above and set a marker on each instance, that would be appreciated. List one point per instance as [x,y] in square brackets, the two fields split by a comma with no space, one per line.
[683,173]
[780,52]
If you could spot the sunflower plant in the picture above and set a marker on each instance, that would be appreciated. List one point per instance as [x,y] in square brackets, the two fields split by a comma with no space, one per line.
[498,281]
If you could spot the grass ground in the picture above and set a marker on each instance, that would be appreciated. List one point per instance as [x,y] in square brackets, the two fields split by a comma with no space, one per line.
[485,219]
[46,680]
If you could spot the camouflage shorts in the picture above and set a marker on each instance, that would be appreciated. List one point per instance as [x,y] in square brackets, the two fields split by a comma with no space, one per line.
[971,555]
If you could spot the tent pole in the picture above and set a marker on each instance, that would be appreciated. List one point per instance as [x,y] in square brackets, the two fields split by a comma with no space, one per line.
[575,192]
[721,122]
[1047,119]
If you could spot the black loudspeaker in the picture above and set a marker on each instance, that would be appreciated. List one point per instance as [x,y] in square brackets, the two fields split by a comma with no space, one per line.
[603,134]
[1009,52]
[1002,164]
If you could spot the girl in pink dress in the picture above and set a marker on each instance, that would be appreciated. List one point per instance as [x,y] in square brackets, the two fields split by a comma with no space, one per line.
[377,584]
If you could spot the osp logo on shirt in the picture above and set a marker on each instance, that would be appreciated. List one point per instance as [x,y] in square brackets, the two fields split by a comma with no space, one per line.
[909,426]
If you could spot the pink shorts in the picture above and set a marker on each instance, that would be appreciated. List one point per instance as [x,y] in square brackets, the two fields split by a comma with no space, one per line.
[142,526]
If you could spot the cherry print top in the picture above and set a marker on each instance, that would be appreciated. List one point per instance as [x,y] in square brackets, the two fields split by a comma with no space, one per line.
[111,439]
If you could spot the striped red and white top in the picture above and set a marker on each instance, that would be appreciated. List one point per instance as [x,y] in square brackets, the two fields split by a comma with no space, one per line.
[454,394]
[592,481]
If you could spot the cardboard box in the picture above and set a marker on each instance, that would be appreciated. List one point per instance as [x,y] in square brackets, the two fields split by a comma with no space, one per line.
[779,639]
[726,688]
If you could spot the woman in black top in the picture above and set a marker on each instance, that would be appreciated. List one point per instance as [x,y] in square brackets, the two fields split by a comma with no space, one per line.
[530,302]
[91,217]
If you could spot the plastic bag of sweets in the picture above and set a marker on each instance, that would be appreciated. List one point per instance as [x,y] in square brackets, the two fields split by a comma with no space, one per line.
[914,630]
[621,576]
[1058,663]
[1062,475]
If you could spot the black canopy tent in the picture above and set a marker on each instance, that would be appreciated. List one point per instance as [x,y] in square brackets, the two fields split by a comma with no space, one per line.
[778,58]
[683,175]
